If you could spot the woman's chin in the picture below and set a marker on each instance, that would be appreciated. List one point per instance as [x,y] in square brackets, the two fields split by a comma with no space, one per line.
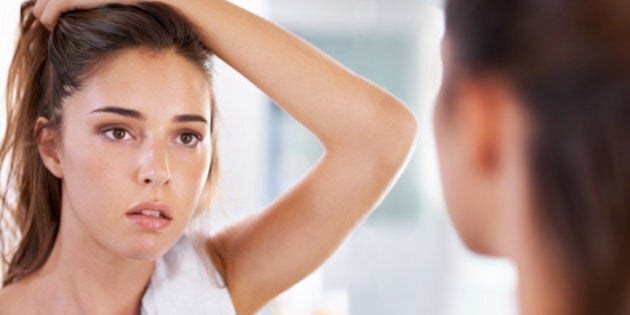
[146,248]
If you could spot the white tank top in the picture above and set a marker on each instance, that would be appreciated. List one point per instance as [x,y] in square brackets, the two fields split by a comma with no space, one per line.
[182,284]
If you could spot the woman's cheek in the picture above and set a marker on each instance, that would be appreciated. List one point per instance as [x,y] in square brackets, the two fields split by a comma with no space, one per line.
[194,170]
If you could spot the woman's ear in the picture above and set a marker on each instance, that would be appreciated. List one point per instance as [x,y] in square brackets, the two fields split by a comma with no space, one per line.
[48,146]
[478,116]
[478,130]
[496,128]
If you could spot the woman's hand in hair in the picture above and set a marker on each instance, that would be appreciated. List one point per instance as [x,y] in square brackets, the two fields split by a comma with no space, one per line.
[48,11]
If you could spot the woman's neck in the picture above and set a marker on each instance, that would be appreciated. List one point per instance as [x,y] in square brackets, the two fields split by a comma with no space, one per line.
[543,284]
[542,293]
[80,276]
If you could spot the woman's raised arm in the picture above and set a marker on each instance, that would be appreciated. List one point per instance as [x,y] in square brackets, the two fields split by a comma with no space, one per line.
[367,134]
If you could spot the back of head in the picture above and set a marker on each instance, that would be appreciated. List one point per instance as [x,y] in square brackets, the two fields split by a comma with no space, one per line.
[569,62]
[47,67]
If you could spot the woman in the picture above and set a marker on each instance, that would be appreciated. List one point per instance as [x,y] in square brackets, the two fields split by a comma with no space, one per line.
[532,128]
[111,138]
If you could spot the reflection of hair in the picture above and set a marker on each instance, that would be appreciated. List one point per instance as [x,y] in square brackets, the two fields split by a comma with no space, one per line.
[569,60]
[48,67]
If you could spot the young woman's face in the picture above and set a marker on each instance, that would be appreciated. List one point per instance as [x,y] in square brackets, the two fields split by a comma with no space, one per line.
[135,153]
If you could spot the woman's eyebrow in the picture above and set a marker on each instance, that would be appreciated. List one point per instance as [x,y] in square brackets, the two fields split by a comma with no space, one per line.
[120,111]
[189,117]
[137,115]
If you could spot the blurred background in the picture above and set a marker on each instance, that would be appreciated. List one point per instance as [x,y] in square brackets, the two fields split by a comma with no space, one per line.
[406,258]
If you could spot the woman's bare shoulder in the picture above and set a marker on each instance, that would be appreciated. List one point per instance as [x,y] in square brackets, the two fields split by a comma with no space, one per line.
[7,300]
[14,300]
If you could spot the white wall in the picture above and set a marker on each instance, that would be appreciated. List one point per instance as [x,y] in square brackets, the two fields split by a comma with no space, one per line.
[242,108]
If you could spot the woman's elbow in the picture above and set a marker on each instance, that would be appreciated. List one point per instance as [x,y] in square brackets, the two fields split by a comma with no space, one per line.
[394,136]
[401,138]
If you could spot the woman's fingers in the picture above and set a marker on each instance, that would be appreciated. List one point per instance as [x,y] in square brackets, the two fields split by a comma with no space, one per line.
[48,11]
[50,14]
[39,7]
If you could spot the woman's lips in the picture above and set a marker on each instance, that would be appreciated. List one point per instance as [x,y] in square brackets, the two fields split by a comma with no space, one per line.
[149,222]
[150,215]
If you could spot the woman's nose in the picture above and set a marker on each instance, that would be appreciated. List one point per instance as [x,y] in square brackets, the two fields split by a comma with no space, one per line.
[154,165]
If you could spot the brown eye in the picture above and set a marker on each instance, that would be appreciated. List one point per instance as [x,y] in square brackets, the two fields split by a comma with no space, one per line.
[117,134]
[189,139]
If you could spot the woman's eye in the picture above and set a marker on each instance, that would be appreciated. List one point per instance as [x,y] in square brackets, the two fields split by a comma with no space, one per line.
[117,134]
[188,139]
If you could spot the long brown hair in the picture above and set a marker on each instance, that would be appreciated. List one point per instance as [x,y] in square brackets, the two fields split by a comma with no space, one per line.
[569,61]
[47,67]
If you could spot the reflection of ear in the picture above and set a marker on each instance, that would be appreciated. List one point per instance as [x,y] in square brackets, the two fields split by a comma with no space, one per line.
[47,145]
[481,115]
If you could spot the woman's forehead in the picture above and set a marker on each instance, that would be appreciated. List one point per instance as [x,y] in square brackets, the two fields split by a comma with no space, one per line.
[153,83]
